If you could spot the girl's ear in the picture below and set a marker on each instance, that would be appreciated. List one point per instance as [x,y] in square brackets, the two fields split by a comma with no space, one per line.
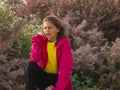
[58,30]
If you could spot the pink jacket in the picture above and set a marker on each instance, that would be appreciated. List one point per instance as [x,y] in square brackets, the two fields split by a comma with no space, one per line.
[64,59]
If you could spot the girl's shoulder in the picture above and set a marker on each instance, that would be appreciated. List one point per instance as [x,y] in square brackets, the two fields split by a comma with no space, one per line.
[63,41]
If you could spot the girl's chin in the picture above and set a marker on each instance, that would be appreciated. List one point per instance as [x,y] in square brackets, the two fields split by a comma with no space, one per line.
[51,40]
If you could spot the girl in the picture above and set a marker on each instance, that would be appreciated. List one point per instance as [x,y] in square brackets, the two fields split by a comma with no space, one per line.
[51,59]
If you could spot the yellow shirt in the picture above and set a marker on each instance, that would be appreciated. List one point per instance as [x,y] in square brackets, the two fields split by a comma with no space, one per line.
[51,66]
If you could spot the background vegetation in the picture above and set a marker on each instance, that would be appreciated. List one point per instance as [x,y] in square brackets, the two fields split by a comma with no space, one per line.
[94,27]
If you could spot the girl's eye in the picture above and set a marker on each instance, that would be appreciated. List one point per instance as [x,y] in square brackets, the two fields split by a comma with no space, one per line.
[48,28]
[45,27]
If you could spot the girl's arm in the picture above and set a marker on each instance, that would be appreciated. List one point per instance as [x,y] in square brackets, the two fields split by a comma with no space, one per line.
[65,67]
[35,54]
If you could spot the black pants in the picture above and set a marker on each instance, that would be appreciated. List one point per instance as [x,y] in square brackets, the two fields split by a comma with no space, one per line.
[36,77]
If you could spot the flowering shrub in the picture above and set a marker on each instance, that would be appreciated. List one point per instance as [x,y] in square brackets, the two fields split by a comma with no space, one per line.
[111,55]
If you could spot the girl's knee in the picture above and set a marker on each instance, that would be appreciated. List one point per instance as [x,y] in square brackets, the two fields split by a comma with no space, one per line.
[31,66]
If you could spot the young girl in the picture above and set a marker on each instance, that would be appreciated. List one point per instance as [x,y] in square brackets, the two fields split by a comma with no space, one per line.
[51,59]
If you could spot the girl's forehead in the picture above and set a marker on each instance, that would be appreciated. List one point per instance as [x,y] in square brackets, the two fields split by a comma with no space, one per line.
[48,23]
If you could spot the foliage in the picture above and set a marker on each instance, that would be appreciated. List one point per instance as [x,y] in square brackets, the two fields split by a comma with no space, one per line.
[96,58]
[83,81]
[75,80]
[9,26]
[117,66]
[111,57]
[84,13]
[21,47]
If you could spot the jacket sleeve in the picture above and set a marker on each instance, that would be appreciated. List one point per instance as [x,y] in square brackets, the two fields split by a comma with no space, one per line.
[35,54]
[65,67]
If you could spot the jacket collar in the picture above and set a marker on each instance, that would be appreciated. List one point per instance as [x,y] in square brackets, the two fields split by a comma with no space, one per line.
[61,41]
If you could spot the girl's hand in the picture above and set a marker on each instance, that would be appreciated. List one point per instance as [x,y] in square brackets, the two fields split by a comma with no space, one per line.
[42,33]
[49,87]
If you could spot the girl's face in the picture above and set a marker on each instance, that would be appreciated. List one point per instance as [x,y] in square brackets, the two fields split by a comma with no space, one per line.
[50,31]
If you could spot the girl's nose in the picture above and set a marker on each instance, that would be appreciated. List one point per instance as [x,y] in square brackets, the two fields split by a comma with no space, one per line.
[47,29]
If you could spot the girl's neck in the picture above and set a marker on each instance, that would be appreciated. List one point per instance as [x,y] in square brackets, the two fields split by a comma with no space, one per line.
[54,40]
[51,41]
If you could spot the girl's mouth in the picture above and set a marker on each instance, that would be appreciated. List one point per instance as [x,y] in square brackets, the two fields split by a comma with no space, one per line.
[47,34]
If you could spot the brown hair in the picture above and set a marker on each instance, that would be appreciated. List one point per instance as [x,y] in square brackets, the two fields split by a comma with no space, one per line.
[58,23]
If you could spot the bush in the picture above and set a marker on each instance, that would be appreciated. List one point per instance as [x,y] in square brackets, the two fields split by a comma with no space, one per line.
[21,47]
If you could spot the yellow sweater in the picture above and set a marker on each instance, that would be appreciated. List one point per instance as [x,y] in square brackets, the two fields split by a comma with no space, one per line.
[52,61]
